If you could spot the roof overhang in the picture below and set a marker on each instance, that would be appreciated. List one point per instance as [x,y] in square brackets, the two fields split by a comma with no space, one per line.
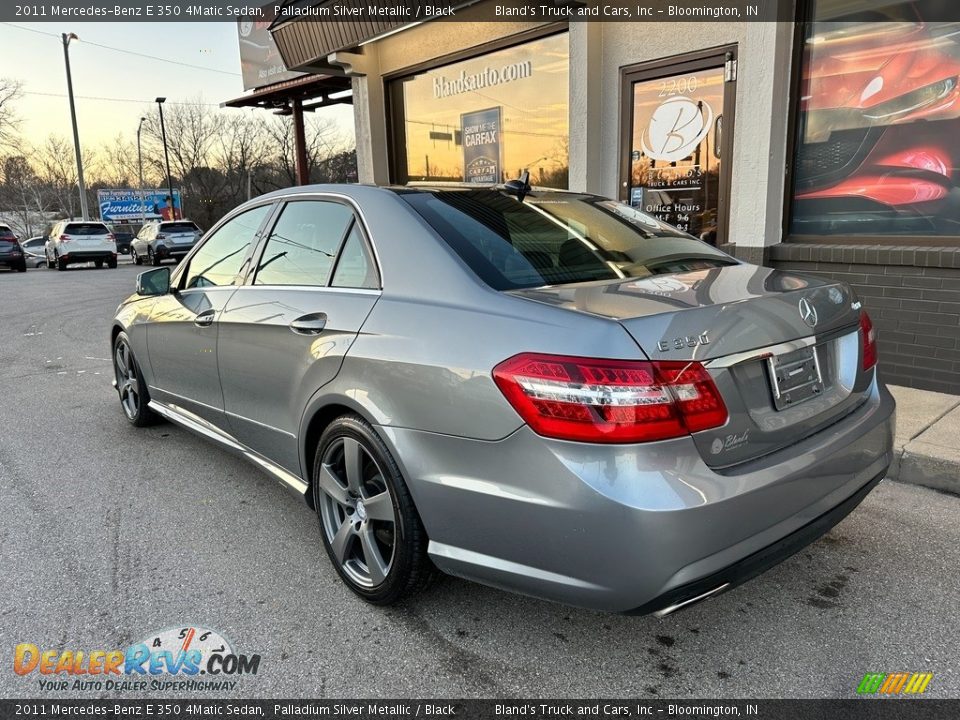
[304,43]
[314,91]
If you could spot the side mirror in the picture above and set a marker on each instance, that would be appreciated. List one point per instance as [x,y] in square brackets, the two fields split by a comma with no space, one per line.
[154,282]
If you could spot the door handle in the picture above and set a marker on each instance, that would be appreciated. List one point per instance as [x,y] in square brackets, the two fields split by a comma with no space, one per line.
[205,319]
[309,324]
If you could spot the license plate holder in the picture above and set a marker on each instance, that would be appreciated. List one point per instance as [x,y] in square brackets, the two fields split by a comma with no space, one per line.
[795,377]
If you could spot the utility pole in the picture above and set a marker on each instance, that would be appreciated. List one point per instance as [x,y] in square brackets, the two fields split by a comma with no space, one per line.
[67,37]
[166,158]
[143,202]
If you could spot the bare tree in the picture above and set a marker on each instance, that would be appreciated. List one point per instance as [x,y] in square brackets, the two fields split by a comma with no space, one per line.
[9,122]
[118,164]
[56,167]
[23,195]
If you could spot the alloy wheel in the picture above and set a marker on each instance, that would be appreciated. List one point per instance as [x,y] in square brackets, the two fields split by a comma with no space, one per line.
[357,512]
[127,384]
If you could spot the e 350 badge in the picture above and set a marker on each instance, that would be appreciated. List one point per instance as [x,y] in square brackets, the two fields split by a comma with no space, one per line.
[171,659]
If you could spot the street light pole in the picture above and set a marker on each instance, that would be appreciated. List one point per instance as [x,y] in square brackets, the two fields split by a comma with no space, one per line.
[67,37]
[143,206]
[166,157]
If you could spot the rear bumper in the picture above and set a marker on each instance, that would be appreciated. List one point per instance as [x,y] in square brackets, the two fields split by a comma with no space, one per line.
[10,260]
[633,527]
[760,561]
[177,251]
[76,256]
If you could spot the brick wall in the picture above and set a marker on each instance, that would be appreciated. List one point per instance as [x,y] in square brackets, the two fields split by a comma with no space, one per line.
[912,295]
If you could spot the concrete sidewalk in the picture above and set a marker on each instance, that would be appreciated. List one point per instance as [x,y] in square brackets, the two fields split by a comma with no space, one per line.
[928,439]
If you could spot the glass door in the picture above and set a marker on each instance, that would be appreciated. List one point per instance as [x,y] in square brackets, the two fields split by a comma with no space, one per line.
[673,161]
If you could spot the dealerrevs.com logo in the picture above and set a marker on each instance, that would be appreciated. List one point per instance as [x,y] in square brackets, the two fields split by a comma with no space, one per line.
[185,659]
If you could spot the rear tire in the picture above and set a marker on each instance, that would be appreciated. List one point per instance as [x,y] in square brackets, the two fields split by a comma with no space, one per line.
[152,257]
[131,388]
[22,267]
[112,263]
[137,260]
[61,263]
[99,264]
[370,527]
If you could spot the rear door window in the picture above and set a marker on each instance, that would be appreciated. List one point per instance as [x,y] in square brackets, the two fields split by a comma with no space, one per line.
[301,248]
[355,268]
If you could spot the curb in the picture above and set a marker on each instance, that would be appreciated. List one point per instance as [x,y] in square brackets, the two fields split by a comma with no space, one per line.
[927,447]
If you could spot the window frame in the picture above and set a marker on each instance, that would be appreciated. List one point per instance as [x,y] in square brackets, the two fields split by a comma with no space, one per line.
[804,18]
[358,221]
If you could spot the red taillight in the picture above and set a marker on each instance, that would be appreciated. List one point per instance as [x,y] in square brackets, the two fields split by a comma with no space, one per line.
[64,238]
[161,236]
[111,236]
[868,341]
[612,401]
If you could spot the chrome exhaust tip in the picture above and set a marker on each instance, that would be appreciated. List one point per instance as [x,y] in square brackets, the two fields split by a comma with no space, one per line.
[687,603]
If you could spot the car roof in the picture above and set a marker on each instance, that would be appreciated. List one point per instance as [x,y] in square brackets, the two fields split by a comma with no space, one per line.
[358,191]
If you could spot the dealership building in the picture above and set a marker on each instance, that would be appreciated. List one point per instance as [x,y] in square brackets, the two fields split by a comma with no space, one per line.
[825,143]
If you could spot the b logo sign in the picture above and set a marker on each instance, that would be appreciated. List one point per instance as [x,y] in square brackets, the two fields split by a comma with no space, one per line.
[676,128]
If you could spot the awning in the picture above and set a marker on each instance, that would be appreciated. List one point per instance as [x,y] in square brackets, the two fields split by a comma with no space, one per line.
[313,91]
[304,42]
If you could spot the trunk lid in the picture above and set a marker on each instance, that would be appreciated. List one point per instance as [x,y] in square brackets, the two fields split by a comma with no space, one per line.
[746,325]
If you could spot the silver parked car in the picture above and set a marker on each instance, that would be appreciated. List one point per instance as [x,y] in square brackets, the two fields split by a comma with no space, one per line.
[547,392]
[167,240]
[34,251]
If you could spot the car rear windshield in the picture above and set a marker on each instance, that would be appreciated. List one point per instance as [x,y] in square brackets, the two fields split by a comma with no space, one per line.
[554,239]
[86,229]
[6,233]
[180,227]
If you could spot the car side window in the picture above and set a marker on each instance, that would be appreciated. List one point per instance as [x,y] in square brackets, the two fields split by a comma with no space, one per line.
[219,259]
[355,267]
[303,244]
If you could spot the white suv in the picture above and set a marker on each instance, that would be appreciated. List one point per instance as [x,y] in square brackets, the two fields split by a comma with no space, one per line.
[80,241]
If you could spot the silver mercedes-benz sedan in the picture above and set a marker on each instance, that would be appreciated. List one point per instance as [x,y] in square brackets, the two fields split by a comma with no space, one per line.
[548,392]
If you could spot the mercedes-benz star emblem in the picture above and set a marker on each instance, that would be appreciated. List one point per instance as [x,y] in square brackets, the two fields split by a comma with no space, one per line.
[808,313]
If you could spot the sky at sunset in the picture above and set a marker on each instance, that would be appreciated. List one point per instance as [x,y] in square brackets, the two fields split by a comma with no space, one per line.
[114,89]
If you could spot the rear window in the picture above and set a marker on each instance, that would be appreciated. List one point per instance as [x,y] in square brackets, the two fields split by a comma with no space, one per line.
[6,233]
[551,239]
[180,227]
[86,229]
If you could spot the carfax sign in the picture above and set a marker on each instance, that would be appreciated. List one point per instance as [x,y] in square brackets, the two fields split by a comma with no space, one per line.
[481,146]
[127,204]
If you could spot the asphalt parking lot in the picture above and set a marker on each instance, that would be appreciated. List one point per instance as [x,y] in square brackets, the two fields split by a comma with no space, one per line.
[109,533]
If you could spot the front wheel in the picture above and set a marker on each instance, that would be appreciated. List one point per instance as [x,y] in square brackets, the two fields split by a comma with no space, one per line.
[131,387]
[370,526]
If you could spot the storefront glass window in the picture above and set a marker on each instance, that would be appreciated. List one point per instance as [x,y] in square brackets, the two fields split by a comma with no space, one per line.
[486,119]
[876,149]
